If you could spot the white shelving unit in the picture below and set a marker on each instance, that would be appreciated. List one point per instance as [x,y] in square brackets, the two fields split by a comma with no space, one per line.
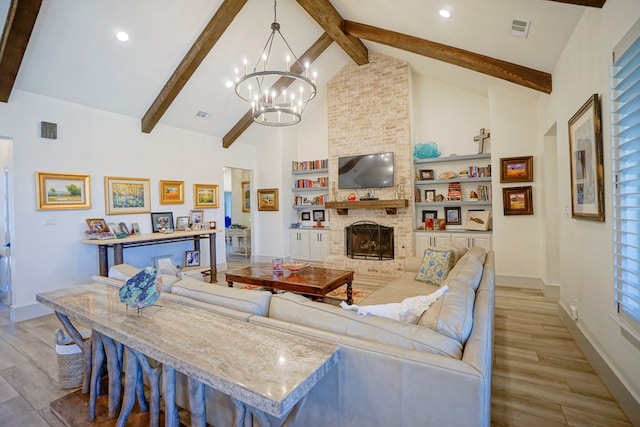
[454,234]
[310,184]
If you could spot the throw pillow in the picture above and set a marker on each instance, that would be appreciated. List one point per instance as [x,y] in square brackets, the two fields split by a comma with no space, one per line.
[436,264]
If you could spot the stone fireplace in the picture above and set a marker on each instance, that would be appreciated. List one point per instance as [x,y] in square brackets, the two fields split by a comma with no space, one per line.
[369,112]
[368,240]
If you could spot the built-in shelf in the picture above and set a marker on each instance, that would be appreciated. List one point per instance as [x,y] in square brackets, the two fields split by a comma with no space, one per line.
[342,208]
[454,158]
[456,203]
[303,189]
[456,179]
[309,171]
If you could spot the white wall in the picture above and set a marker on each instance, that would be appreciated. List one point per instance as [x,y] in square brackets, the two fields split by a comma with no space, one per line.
[586,246]
[47,257]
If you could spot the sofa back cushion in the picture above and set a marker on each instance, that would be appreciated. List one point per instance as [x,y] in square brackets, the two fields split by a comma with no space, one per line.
[248,301]
[452,315]
[297,309]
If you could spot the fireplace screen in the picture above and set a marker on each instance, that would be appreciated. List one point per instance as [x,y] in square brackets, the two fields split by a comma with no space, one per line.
[368,240]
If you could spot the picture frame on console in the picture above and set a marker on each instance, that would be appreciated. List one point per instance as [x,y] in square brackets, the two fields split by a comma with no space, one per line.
[97,225]
[182,222]
[586,161]
[196,216]
[161,221]
[191,258]
[126,195]
[135,228]
[63,191]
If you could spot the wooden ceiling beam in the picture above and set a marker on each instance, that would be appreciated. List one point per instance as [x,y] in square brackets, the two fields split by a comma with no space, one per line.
[514,73]
[192,60]
[331,22]
[310,55]
[590,3]
[21,18]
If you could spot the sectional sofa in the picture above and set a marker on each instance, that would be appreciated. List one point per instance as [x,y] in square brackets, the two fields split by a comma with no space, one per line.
[436,372]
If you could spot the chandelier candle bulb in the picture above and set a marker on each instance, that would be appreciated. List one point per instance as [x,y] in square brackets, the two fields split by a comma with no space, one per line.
[245,66]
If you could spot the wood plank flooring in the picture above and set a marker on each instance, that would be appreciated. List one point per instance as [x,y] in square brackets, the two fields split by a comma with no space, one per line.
[540,376]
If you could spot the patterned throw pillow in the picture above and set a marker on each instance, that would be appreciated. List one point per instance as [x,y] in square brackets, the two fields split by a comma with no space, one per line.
[436,264]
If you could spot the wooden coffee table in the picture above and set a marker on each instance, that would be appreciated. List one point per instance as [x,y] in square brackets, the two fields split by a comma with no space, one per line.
[315,281]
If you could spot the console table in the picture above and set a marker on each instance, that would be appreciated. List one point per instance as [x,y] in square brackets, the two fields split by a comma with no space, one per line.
[118,246]
[277,368]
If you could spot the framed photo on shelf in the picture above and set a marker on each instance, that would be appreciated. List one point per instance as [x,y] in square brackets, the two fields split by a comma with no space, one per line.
[122,228]
[126,195]
[452,215]
[113,227]
[306,216]
[429,215]
[516,169]
[205,196]
[517,200]
[163,263]
[98,225]
[191,258]
[268,199]
[477,220]
[135,228]
[63,191]
[246,196]
[318,215]
[426,174]
[182,222]
[196,216]
[429,196]
[587,170]
[171,192]
[161,221]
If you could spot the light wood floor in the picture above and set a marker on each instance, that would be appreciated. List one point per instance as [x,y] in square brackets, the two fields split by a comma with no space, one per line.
[540,377]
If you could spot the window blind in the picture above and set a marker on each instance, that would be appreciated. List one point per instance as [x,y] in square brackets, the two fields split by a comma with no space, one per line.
[625,154]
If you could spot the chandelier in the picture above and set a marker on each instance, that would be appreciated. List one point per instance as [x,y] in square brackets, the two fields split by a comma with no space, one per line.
[278,96]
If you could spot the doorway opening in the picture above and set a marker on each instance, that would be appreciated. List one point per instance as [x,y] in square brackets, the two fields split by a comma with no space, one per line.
[5,214]
[237,215]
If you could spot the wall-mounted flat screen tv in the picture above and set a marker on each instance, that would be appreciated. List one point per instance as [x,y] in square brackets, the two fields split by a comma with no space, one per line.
[366,171]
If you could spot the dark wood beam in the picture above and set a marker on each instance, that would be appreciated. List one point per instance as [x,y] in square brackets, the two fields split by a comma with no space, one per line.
[21,18]
[189,64]
[331,22]
[311,54]
[514,73]
[590,3]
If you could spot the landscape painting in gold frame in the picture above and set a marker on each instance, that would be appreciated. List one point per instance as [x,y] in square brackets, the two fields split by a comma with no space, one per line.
[126,195]
[246,196]
[63,191]
[268,199]
[205,196]
[171,192]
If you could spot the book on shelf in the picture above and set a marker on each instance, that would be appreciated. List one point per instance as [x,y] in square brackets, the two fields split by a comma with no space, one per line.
[455,192]
[309,165]
[318,200]
[479,171]
[311,183]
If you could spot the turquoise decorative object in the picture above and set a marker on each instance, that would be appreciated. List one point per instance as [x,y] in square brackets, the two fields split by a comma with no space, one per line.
[142,289]
[426,150]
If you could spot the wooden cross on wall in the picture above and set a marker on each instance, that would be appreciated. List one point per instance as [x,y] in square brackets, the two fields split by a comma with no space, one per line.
[480,139]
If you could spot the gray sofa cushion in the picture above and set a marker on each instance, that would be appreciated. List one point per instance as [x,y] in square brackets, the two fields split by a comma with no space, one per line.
[452,315]
[297,309]
[248,301]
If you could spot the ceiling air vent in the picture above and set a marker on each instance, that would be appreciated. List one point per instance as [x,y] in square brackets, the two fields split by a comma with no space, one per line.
[202,115]
[520,28]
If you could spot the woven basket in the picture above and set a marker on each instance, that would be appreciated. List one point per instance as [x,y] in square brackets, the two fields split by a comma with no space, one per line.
[70,361]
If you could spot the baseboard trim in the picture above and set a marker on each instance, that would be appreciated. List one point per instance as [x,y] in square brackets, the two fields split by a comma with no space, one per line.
[528,283]
[26,312]
[629,404]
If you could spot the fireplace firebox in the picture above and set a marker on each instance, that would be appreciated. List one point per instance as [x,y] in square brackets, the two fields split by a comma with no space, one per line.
[369,240]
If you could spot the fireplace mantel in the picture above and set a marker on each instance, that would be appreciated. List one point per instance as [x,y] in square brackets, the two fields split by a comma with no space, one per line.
[342,208]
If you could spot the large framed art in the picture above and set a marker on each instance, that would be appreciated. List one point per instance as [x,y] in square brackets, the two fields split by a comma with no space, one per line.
[587,168]
[126,195]
[63,191]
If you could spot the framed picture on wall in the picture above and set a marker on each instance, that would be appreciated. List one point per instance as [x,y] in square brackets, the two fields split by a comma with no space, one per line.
[517,200]
[246,196]
[126,195]
[516,169]
[171,192]
[587,170]
[205,196]
[268,199]
[63,191]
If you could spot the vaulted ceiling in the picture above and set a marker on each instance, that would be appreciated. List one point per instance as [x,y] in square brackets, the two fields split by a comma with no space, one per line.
[180,55]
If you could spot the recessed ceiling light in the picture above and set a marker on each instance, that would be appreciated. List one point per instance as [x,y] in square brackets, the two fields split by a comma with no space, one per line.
[445,13]
[122,36]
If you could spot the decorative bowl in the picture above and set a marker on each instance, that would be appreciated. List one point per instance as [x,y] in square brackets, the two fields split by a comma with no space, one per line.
[295,266]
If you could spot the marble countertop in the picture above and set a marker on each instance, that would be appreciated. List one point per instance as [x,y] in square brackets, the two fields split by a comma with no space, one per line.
[268,369]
